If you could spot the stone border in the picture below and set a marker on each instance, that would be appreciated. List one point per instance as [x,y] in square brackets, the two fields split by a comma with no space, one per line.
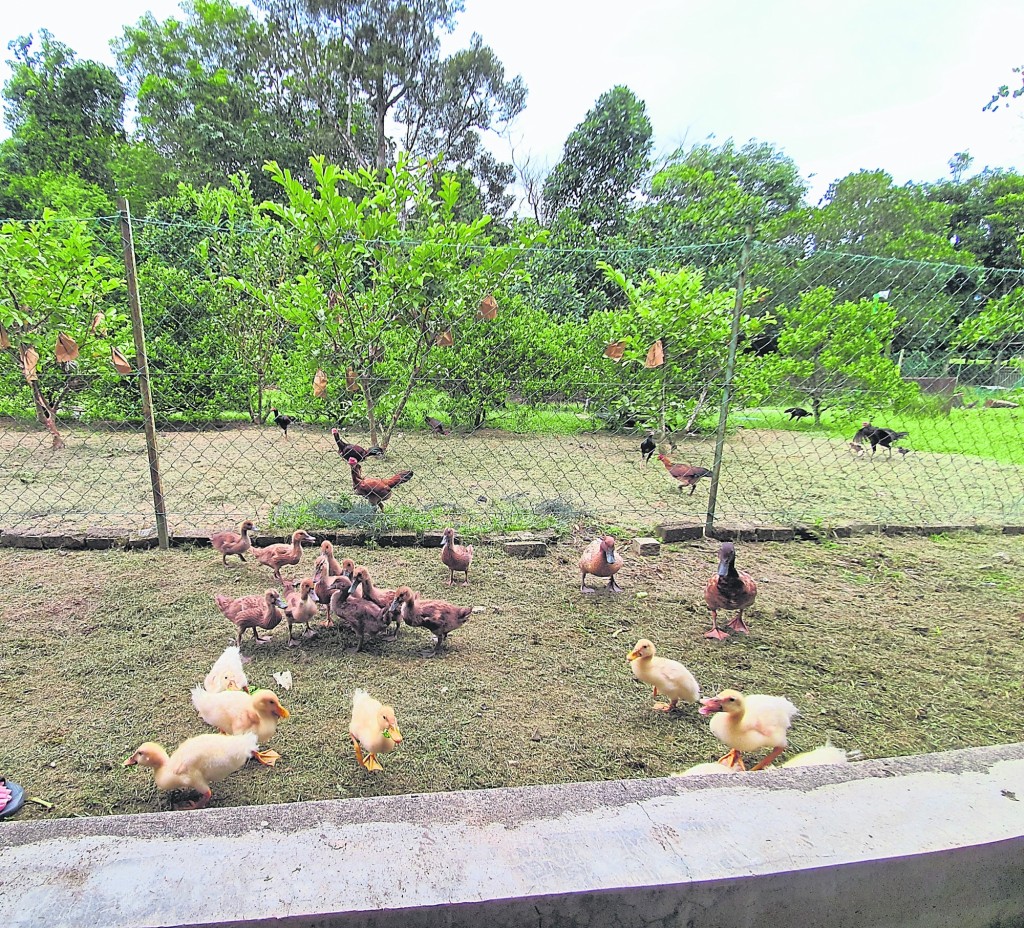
[530,544]
[932,841]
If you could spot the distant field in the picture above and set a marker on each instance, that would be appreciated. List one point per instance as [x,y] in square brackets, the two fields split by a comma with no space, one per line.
[773,472]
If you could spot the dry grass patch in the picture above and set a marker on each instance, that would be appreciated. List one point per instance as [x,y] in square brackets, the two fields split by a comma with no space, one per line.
[215,478]
[893,646]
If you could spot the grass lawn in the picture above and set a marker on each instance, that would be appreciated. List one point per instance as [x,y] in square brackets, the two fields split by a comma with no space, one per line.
[889,645]
[493,480]
[989,434]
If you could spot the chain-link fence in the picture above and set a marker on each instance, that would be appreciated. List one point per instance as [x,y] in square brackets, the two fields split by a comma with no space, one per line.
[518,381]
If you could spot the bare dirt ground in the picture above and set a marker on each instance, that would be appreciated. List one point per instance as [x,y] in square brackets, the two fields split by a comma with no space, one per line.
[216,477]
[889,645]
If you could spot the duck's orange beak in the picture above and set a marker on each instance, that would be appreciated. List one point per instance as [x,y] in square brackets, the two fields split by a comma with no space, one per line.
[130,762]
[632,656]
[281,712]
[710,706]
[394,734]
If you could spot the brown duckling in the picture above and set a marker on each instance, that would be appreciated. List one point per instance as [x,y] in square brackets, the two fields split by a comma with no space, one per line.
[729,589]
[325,583]
[303,606]
[255,612]
[277,556]
[361,579]
[334,569]
[602,560]
[234,542]
[435,615]
[455,557]
[358,615]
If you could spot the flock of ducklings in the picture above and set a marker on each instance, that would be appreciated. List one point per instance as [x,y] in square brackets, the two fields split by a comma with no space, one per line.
[248,717]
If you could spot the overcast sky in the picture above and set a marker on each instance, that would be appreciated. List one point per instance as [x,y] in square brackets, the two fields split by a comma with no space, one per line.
[892,84]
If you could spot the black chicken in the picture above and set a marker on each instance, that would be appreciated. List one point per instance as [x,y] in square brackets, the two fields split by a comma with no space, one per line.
[437,426]
[797,412]
[878,436]
[647,447]
[282,421]
[358,452]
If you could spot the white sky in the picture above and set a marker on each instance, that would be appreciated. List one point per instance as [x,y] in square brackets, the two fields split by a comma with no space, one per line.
[893,84]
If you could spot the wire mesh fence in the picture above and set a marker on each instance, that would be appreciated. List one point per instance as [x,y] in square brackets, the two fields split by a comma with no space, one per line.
[524,386]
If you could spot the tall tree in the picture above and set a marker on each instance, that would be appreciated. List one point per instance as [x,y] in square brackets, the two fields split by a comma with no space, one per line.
[65,115]
[603,163]
[438,106]
[223,91]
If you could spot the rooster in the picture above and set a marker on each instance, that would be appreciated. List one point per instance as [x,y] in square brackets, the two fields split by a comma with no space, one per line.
[647,447]
[374,490]
[282,421]
[686,475]
[358,452]
[797,412]
[878,436]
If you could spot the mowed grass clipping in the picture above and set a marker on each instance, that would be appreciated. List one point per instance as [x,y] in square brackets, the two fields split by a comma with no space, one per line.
[892,646]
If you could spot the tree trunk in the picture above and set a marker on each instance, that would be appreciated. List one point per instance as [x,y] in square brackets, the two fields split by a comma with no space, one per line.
[692,421]
[371,415]
[46,415]
[816,409]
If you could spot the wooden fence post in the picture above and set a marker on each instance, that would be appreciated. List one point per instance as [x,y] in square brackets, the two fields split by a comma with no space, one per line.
[730,370]
[142,367]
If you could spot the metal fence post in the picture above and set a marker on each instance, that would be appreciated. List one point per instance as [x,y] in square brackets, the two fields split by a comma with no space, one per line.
[142,365]
[730,369]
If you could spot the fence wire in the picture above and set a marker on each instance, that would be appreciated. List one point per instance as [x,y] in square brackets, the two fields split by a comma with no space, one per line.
[517,386]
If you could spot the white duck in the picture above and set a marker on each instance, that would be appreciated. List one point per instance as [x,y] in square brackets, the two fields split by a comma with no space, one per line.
[196,763]
[236,712]
[669,678]
[373,729]
[226,672]
[749,723]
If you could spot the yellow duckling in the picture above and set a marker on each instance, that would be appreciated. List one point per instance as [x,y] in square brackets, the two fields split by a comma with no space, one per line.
[669,678]
[196,763]
[749,723]
[235,712]
[700,770]
[373,729]
[828,753]
[226,673]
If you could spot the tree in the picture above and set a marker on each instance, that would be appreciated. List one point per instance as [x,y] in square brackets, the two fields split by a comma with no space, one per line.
[832,352]
[1003,94]
[57,320]
[665,352]
[65,116]
[604,159]
[389,275]
[710,194]
[393,68]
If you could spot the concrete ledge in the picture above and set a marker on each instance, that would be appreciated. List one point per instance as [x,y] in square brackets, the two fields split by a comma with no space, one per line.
[933,841]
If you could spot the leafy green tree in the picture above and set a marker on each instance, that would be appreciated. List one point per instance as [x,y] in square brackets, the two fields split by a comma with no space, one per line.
[490,360]
[388,276]
[605,158]
[66,116]
[672,342]
[999,326]
[712,193]
[834,352]
[58,321]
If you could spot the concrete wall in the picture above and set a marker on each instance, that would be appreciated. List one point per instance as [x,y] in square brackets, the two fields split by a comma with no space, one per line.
[929,842]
